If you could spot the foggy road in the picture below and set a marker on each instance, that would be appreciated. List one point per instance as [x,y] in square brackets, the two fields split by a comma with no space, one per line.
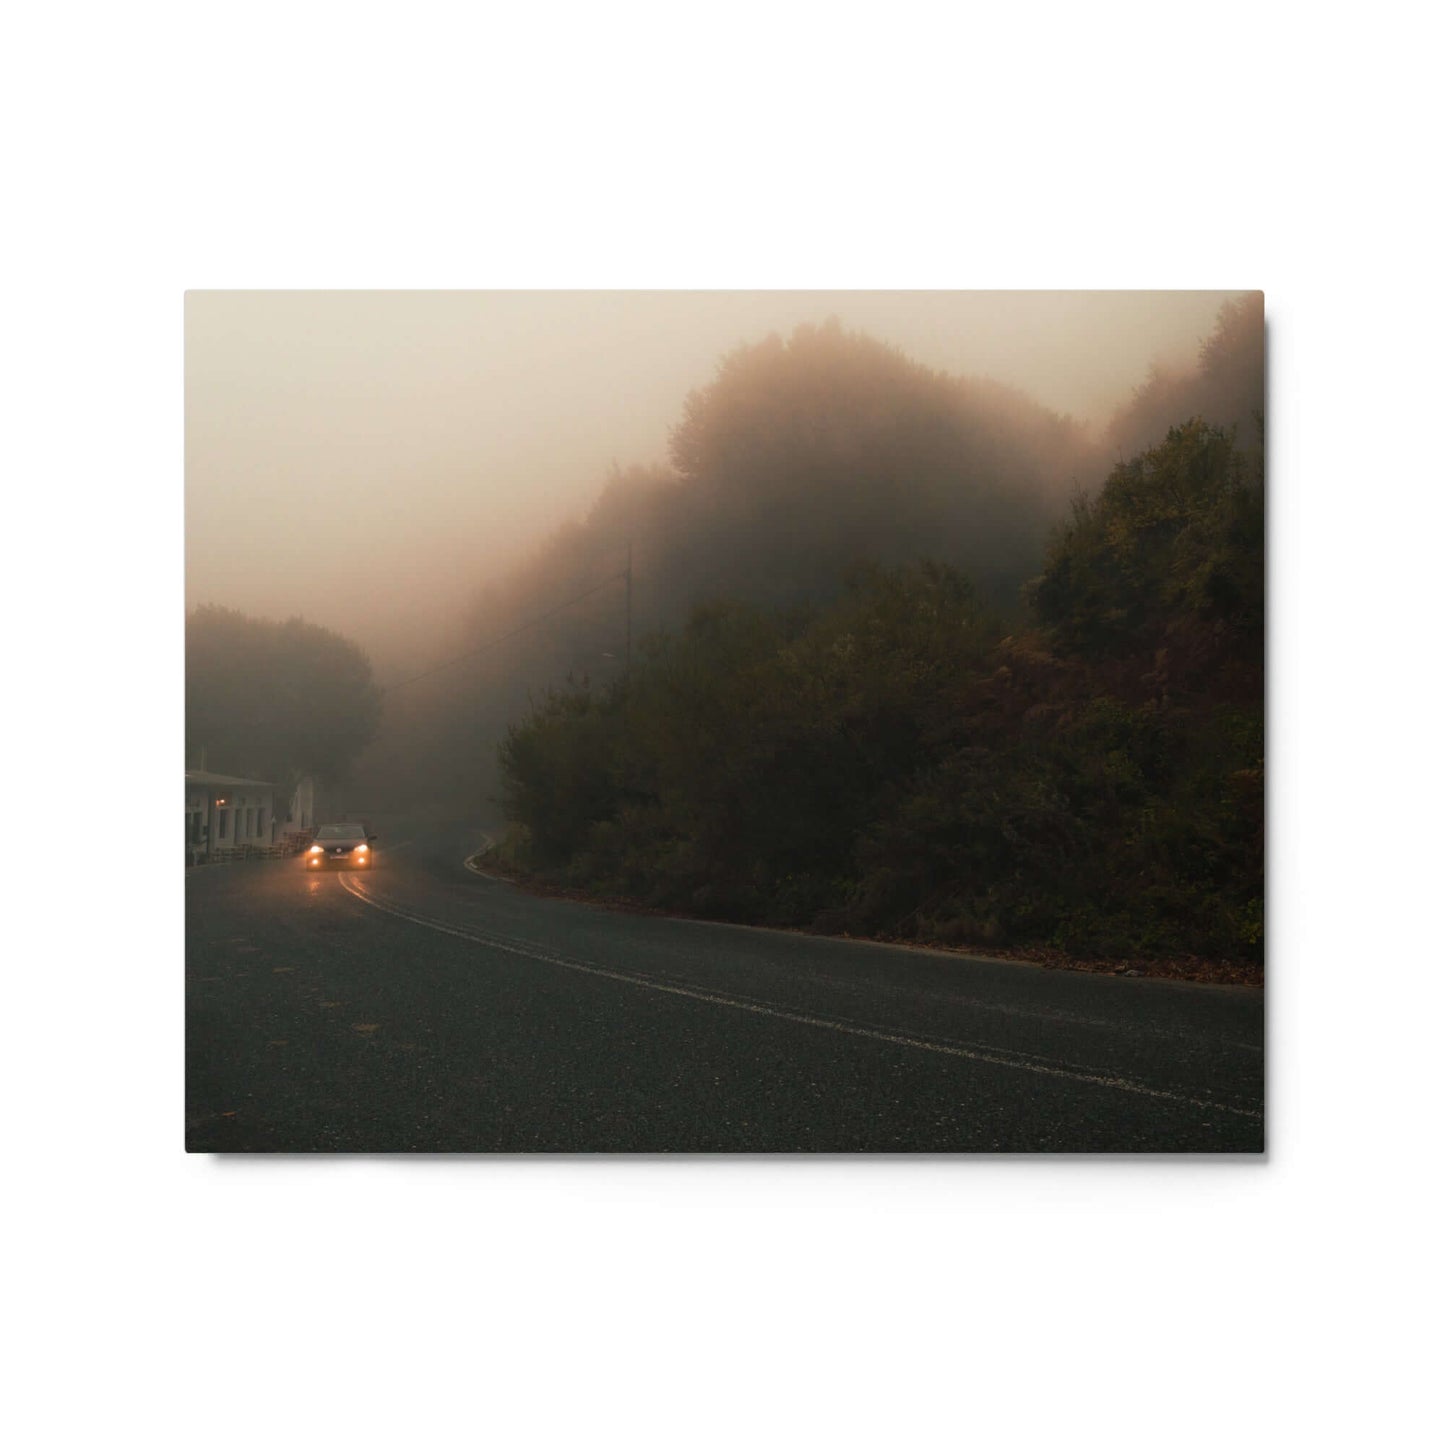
[421,1007]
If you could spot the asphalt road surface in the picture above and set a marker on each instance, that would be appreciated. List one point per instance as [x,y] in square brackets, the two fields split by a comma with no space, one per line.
[419,1007]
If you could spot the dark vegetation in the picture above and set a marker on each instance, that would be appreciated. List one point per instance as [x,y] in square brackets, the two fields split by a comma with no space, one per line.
[869,727]
[900,762]
[275,700]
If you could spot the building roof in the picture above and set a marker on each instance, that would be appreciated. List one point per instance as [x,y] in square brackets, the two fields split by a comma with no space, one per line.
[221,780]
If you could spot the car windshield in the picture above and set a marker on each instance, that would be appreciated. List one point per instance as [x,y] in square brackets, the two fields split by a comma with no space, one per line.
[340,830]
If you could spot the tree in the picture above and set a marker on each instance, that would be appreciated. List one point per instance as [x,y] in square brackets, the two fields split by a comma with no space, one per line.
[275,699]
[1225,386]
[812,454]
[1169,553]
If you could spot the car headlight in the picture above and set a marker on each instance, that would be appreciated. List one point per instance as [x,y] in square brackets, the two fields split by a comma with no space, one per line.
[362,848]
[315,848]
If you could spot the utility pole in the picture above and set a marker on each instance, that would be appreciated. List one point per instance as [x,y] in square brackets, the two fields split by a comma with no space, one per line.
[628,670]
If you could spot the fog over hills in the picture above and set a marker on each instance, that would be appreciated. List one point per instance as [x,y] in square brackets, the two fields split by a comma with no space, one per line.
[370,459]
[425,473]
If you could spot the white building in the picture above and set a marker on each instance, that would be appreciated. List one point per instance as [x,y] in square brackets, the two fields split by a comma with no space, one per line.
[224,814]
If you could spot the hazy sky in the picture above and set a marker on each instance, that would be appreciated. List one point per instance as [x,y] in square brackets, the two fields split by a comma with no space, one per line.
[366,459]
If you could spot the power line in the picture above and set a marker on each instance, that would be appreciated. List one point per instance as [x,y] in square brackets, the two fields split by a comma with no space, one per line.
[507,636]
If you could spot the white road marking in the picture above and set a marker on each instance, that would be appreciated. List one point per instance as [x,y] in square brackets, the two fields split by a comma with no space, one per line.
[976,1054]
[469,862]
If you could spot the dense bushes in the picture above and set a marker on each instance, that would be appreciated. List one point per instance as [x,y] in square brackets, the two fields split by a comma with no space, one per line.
[893,764]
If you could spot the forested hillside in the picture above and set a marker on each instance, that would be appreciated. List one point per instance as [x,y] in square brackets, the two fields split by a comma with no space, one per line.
[904,760]
[804,457]
[911,655]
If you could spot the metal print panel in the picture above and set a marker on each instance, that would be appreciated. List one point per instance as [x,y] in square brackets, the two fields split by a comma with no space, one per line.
[725,722]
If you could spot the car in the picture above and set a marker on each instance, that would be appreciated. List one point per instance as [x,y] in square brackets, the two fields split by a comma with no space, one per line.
[344,845]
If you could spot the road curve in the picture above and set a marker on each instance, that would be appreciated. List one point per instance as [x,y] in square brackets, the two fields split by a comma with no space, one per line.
[419,1007]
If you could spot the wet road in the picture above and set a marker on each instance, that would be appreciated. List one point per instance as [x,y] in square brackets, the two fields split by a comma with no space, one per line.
[420,1007]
